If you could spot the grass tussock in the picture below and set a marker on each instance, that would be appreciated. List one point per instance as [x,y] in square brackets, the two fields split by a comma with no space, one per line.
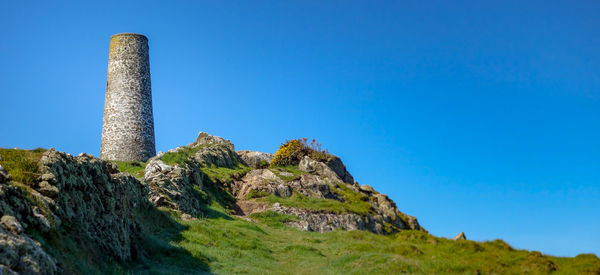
[21,164]
[135,168]
[225,174]
[296,173]
[181,156]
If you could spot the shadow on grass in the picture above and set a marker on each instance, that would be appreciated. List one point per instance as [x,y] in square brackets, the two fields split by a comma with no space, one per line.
[158,255]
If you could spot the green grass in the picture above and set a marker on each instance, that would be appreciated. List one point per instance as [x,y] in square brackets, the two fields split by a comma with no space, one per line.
[224,174]
[298,200]
[272,218]
[222,244]
[232,246]
[180,157]
[22,164]
[290,169]
[135,168]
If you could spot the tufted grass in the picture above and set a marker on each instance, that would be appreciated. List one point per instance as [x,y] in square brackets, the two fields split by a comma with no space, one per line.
[290,169]
[298,200]
[22,164]
[224,174]
[181,156]
[135,168]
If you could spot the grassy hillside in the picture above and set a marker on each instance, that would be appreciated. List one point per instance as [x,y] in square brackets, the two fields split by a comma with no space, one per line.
[262,243]
[232,245]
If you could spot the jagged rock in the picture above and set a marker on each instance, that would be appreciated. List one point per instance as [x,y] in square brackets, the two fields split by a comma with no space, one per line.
[4,177]
[253,158]
[312,166]
[48,190]
[99,203]
[460,237]
[383,210]
[208,139]
[174,186]
[313,186]
[217,155]
[12,224]
[321,221]
[262,180]
[336,164]
[367,189]
[21,254]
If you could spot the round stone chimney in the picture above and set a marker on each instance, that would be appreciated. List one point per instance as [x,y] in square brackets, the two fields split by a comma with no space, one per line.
[128,123]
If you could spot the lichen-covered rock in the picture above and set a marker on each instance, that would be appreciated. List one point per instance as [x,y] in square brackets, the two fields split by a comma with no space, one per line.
[4,177]
[21,254]
[316,167]
[174,187]
[261,180]
[383,217]
[254,159]
[323,221]
[99,204]
[214,150]
[460,237]
[338,167]
[208,139]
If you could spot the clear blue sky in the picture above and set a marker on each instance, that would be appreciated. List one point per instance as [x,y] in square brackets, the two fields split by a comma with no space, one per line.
[475,116]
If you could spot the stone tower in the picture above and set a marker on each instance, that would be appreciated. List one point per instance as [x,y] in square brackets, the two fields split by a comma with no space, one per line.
[128,124]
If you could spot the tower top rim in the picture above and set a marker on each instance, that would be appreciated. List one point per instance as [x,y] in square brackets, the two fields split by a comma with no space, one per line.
[128,34]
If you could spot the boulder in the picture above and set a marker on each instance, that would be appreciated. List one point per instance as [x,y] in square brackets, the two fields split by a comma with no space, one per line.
[312,166]
[174,186]
[254,159]
[11,223]
[208,139]
[19,254]
[460,237]
[4,176]
[337,166]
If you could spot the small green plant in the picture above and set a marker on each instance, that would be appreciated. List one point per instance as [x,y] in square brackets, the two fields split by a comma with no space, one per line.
[263,164]
[21,164]
[253,194]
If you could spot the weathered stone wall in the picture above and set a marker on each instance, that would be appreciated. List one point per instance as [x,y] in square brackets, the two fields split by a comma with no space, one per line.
[128,126]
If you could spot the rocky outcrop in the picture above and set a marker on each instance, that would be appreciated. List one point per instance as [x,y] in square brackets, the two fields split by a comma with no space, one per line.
[320,181]
[213,150]
[83,197]
[94,197]
[460,237]
[179,186]
[323,221]
[255,159]
[336,165]
[18,252]
[319,168]
[90,201]
[4,177]
[174,187]
[21,254]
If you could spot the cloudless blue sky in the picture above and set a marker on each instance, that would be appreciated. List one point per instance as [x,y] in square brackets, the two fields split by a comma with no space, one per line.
[474,116]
